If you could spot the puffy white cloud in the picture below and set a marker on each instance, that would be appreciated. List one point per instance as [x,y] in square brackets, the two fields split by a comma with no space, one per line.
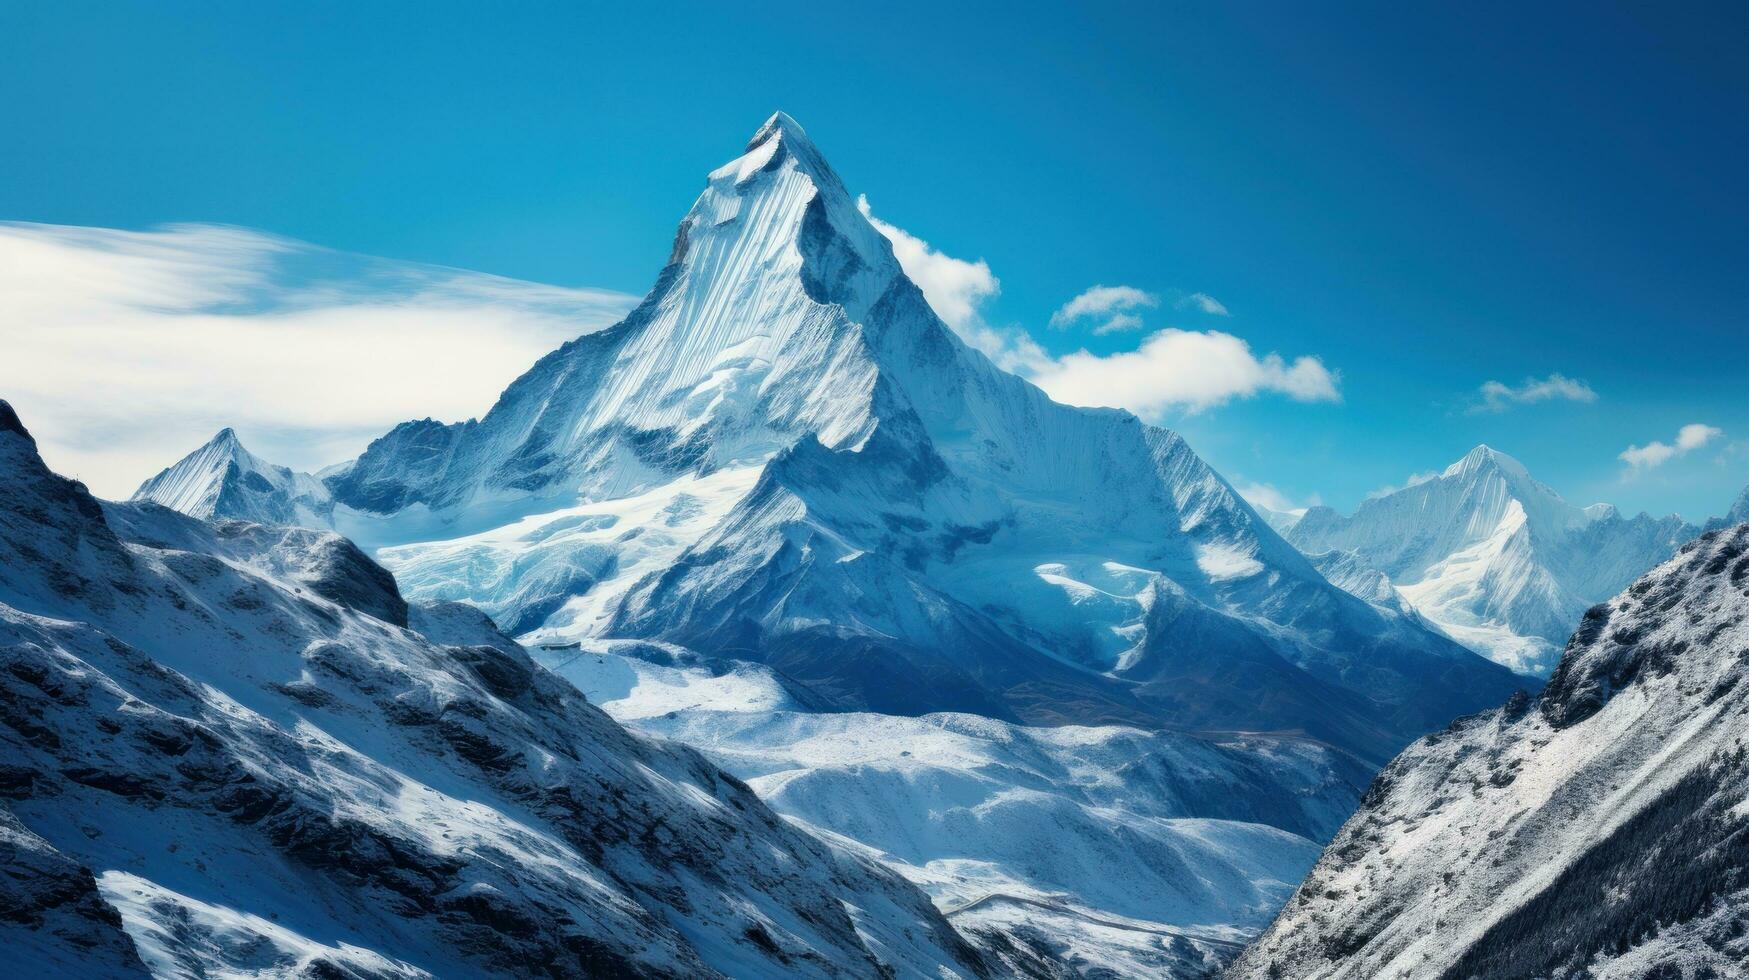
[1653,454]
[1183,369]
[1202,302]
[124,350]
[1498,396]
[1173,369]
[1102,301]
[954,287]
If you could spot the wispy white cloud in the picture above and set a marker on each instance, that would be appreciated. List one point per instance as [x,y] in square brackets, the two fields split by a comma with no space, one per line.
[1202,302]
[1103,302]
[1656,453]
[955,288]
[126,349]
[1497,396]
[1184,370]
[1414,479]
[1120,323]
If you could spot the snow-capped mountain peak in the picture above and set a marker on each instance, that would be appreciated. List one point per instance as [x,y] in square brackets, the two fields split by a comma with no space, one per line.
[222,479]
[784,451]
[1493,556]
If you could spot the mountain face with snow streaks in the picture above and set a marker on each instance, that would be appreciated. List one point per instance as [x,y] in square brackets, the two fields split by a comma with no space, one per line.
[1494,558]
[223,480]
[1595,831]
[235,748]
[783,455]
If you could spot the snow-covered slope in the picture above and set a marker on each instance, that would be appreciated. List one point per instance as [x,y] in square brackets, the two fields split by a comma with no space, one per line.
[232,750]
[1598,831]
[222,479]
[1148,853]
[783,453]
[1496,559]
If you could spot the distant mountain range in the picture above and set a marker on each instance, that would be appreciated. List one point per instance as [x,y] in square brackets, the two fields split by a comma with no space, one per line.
[1491,556]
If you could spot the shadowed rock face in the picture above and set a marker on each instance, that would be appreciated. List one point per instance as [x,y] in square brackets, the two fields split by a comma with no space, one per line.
[231,727]
[53,919]
[1597,831]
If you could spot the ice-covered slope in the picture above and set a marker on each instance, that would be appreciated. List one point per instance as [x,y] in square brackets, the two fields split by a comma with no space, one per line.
[222,479]
[1493,557]
[1599,831]
[1148,853]
[223,751]
[783,452]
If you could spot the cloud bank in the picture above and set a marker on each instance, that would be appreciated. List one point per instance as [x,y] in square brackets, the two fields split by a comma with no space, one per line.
[1654,454]
[125,350]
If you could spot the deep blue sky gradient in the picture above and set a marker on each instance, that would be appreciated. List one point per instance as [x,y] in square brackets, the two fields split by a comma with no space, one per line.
[1425,199]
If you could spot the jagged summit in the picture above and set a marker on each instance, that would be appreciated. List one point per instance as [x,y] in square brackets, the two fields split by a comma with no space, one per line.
[222,479]
[782,125]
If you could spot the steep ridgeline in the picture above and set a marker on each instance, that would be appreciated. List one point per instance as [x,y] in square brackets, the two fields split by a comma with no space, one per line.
[1599,831]
[783,455]
[223,480]
[1738,513]
[1494,558]
[223,752]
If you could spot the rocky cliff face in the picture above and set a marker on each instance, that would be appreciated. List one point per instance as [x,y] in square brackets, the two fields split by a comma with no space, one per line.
[1596,831]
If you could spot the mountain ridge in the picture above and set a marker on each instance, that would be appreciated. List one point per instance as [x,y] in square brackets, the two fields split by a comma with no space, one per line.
[883,458]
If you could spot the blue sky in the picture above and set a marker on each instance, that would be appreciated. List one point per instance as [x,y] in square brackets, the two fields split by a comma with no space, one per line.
[1422,200]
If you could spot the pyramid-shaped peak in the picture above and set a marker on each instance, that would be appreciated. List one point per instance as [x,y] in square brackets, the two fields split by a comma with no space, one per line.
[781,124]
[1483,458]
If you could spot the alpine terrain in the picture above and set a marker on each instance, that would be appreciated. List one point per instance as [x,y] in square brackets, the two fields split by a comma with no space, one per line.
[783,456]
[1040,661]
[1494,558]
[1596,831]
[236,750]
